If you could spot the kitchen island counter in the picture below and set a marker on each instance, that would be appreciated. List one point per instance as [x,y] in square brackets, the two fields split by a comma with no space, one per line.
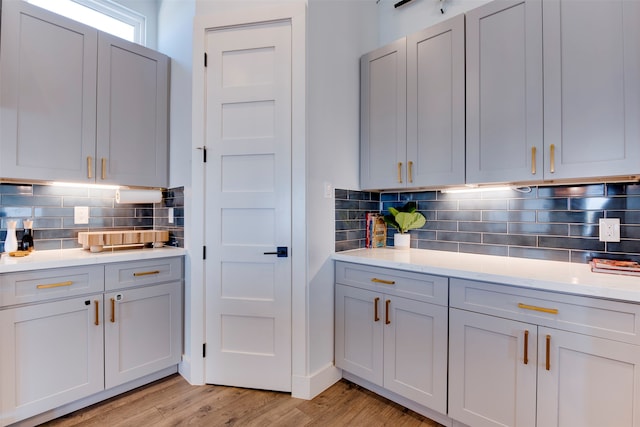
[557,276]
[38,260]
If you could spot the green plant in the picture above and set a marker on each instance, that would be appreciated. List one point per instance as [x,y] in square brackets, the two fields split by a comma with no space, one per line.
[405,218]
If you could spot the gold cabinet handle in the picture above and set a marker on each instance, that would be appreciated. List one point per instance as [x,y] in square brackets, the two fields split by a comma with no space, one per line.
[384,282]
[96,303]
[548,364]
[89,167]
[410,172]
[104,169]
[400,172]
[113,310]
[376,317]
[536,308]
[552,154]
[526,347]
[533,160]
[55,285]
[146,273]
[387,319]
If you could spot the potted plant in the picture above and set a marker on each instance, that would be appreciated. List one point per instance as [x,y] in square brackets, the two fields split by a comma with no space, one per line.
[404,219]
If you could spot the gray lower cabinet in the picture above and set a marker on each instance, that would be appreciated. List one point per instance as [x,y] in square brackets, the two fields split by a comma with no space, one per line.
[69,334]
[391,331]
[79,105]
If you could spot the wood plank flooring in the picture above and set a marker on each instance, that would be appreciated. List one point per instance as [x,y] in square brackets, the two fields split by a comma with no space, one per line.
[173,402]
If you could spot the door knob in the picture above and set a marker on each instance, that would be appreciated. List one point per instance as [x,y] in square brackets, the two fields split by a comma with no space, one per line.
[281,252]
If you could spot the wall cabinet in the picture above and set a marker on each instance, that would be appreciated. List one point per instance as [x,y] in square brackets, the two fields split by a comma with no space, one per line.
[412,110]
[72,340]
[532,358]
[389,339]
[79,105]
[590,100]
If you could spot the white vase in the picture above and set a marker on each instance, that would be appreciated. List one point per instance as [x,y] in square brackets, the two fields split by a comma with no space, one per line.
[402,240]
[11,242]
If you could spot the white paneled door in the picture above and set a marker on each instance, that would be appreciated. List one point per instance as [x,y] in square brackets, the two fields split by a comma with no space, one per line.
[248,205]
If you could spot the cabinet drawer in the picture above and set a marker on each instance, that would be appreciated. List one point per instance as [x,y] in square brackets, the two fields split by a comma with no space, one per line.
[136,273]
[423,287]
[42,285]
[591,316]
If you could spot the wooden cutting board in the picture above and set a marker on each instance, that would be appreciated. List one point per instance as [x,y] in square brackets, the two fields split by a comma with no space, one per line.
[96,241]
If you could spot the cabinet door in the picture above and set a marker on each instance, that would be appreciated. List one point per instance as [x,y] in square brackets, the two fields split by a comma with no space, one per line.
[504,92]
[492,370]
[383,123]
[143,331]
[415,351]
[588,382]
[359,332]
[591,87]
[435,105]
[47,95]
[132,125]
[52,354]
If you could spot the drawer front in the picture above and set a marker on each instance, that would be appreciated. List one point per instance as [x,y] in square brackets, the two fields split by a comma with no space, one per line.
[591,316]
[137,273]
[43,285]
[418,286]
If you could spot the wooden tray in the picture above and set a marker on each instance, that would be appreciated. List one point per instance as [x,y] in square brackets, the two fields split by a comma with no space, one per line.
[96,241]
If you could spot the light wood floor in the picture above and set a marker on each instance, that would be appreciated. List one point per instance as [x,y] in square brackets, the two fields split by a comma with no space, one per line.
[173,402]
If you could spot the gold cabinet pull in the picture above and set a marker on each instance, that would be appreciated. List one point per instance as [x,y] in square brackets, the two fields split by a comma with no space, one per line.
[376,317]
[113,310]
[146,273]
[104,169]
[552,154]
[387,319]
[384,282]
[89,167]
[526,347]
[400,172]
[536,308]
[533,160]
[96,303]
[548,364]
[55,285]
[410,172]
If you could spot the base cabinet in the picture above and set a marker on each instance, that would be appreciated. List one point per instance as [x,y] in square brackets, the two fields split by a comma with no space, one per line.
[506,372]
[394,342]
[58,351]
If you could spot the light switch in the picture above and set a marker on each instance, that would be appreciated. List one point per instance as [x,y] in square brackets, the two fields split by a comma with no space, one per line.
[81,215]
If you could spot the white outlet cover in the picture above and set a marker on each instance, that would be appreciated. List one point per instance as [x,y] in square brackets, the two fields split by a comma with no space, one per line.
[170,216]
[81,215]
[609,229]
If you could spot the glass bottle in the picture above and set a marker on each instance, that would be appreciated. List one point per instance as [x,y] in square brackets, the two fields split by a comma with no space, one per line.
[27,237]
[11,242]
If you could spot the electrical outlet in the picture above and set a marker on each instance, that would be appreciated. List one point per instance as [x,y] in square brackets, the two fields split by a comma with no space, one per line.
[170,215]
[609,229]
[81,215]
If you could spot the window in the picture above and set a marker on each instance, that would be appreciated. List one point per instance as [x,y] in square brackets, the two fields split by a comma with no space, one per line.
[105,15]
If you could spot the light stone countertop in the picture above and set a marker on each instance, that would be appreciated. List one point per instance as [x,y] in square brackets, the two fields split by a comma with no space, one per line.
[565,277]
[38,260]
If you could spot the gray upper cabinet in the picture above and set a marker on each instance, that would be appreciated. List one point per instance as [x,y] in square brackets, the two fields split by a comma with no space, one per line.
[412,124]
[383,106]
[79,105]
[591,88]
[504,92]
[47,94]
[132,114]
[435,105]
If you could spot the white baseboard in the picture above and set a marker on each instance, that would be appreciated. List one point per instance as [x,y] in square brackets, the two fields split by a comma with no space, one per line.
[310,386]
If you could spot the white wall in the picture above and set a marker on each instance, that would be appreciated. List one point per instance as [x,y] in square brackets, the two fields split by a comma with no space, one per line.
[339,33]
[416,15]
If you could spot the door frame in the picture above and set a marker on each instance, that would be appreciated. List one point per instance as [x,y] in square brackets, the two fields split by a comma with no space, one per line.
[231,13]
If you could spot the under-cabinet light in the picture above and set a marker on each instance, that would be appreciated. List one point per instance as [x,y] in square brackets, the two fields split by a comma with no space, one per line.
[83,185]
[471,189]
